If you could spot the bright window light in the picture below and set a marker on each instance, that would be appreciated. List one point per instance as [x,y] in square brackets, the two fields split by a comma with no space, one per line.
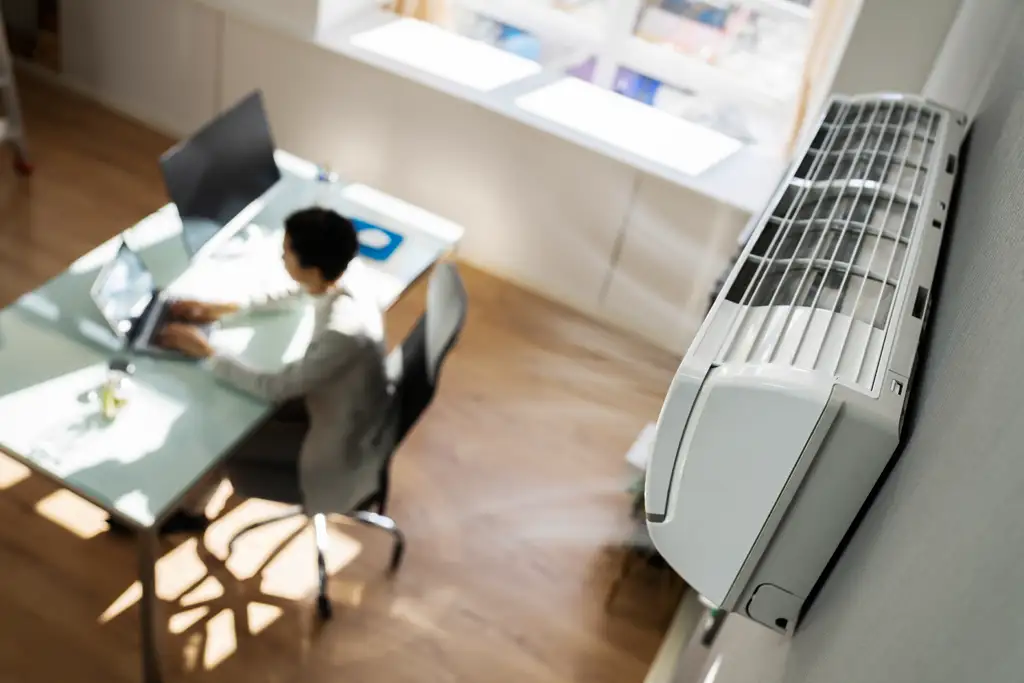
[447,55]
[630,125]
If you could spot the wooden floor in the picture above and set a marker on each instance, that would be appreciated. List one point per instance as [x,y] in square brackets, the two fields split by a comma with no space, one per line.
[510,493]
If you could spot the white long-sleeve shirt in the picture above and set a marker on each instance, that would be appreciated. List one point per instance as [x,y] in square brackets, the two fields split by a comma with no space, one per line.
[341,377]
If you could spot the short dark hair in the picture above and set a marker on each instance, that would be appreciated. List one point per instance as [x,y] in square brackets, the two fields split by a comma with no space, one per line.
[322,239]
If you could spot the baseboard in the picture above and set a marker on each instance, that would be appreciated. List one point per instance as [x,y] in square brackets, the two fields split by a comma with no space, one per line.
[684,625]
[37,71]
[592,313]
[45,75]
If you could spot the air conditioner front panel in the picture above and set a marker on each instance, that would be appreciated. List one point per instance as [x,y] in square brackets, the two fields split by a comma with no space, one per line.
[675,413]
[749,429]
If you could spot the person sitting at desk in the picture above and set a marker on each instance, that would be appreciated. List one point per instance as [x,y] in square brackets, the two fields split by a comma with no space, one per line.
[329,424]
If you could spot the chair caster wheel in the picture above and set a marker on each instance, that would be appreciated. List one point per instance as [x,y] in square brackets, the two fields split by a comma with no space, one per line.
[324,609]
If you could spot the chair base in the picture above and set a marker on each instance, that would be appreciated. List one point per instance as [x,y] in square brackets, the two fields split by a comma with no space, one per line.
[324,608]
[385,523]
[291,513]
[379,521]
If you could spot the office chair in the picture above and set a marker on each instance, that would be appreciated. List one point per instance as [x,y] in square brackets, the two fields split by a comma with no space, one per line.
[413,370]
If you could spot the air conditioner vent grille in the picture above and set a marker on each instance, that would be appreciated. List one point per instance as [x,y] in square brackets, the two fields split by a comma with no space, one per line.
[819,282]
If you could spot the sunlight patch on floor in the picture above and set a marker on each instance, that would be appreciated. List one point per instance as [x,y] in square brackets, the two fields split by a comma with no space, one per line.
[12,472]
[427,611]
[73,513]
[348,593]
[209,590]
[293,575]
[122,603]
[221,641]
[219,500]
[212,646]
[176,572]
[261,616]
[256,547]
[183,621]
[287,570]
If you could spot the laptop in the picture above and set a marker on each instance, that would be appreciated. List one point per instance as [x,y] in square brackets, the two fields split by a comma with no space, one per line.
[217,173]
[136,310]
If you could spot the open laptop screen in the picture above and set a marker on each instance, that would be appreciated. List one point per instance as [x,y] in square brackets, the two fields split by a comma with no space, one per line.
[123,289]
[219,171]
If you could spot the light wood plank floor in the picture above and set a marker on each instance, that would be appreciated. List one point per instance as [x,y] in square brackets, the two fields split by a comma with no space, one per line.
[510,493]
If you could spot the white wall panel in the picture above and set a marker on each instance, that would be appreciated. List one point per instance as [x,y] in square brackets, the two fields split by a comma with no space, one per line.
[156,60]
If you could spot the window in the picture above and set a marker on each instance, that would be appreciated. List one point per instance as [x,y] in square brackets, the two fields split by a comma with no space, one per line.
[733,66]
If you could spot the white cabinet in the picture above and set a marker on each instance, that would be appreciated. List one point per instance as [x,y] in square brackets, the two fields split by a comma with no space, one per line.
[155,60]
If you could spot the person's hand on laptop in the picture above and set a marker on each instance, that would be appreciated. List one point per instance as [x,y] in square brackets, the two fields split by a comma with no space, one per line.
[200,312]
[186,339]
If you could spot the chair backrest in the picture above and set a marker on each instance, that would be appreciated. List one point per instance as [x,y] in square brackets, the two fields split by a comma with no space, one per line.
[415,366]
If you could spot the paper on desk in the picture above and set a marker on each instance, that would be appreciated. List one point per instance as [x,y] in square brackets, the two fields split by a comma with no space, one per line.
[233,279]
[59,424]
[232,340]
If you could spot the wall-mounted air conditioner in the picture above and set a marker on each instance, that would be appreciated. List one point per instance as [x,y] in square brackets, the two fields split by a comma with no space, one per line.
[789,402]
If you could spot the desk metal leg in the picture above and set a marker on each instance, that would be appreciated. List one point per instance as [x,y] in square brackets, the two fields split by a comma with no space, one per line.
[150,624]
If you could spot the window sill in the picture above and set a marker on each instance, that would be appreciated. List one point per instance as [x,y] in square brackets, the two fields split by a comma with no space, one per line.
[743,178]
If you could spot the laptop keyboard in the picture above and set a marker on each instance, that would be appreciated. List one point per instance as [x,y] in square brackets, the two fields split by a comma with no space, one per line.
[165,316]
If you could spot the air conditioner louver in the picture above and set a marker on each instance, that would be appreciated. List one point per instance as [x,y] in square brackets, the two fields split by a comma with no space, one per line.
[825,266]
[805,359]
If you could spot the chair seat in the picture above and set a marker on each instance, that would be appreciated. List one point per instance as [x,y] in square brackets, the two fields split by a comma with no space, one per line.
[279,484]
[282,484]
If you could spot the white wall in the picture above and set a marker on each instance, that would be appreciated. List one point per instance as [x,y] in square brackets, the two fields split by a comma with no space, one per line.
[963,72]
[894,45]
[882,46]
[156,60]
[539,211]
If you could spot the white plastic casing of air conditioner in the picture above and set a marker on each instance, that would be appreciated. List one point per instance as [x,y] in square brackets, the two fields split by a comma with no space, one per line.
[789,403]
